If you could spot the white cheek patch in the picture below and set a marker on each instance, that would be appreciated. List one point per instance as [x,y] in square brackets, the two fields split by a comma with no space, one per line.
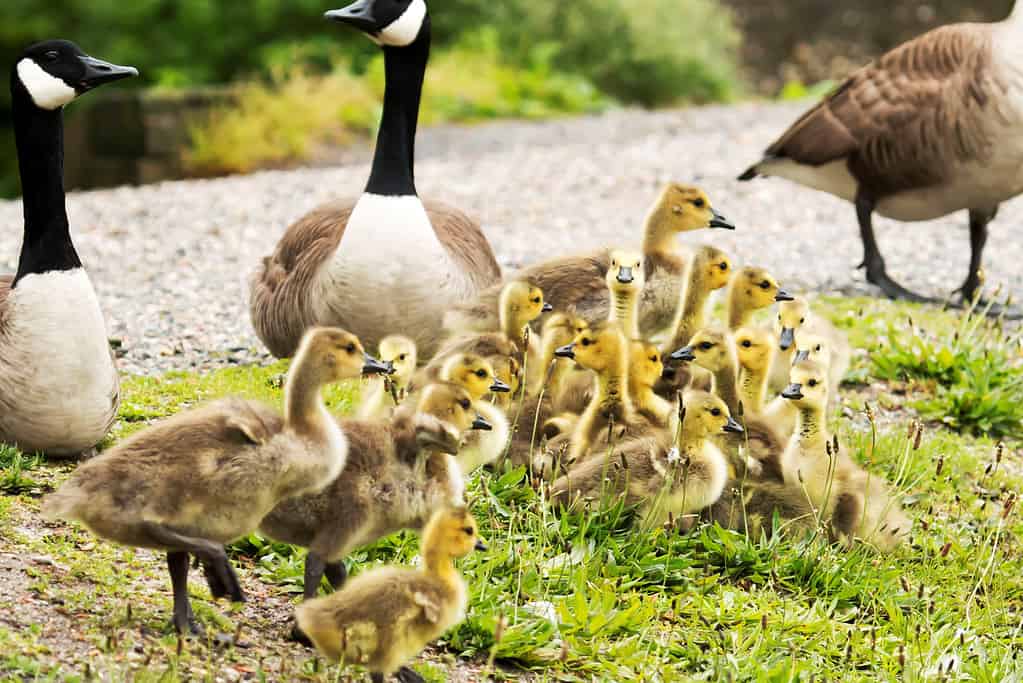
[404,30]
[48,92]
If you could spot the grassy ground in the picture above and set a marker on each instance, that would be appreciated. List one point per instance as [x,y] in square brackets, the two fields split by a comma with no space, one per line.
[577,598]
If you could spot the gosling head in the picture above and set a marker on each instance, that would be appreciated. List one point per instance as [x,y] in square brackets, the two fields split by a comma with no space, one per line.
[598,349]
[757,288]
[450,413]
[508,371]
[388,23]
[523,302]
[400,352]
[55,72]
[688,208]
[791,316]
[561,328]
[336,355]
[625,272]
[452,532]
[808,385]
[706,415]
[755,348]
[814,348]
[713,267]
[645,366]
[474,374]
[709,348]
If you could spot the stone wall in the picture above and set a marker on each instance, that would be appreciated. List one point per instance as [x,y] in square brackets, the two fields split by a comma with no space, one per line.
[814,40]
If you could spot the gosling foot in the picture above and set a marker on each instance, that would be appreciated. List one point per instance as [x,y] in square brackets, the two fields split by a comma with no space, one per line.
[407,675]
[297,635]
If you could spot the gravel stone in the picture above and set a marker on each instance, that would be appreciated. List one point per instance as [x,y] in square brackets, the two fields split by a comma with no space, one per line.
[170,261]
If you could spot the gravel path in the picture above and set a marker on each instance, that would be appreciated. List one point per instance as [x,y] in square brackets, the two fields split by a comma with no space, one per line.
[170,260]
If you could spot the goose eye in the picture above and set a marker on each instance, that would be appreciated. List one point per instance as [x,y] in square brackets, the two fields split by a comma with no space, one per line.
[481,373]
[536,300]
[465,403]
[469,531]
[765,285]
[747,344]
[401,357]
[52,56]
[706,346]
[812,382]
[802,320]
[653,359]
[350,348]
[716,412]
[723,266]
[586,341]
[699,203]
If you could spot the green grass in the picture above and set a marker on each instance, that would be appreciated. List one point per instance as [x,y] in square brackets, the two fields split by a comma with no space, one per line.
[581,598]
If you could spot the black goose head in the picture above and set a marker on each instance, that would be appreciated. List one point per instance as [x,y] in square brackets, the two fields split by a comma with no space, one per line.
[54,72]
[395,23]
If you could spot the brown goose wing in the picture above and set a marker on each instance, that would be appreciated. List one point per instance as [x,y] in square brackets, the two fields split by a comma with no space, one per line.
[902,120]
[279,305]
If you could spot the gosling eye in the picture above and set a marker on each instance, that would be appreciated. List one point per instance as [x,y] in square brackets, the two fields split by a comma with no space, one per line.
[802,320]
[765,285]
[746,344]
[481,373]
[654,359]
[465,403]
[723,266]
[614,264]
[586,341]
[699,203]
[706,346]
[817,348]
[402,357]
[716,412]
[350,348]
[812,382]
[536,300]
[469,531]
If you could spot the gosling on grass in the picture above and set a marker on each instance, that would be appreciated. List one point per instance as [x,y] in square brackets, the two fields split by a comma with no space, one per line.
[205,477]
[477,377]
[382,394]
[385,617]
[666,475]
[399,473]
[857,503]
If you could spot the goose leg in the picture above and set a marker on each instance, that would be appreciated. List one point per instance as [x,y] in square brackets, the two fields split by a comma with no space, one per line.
[336,574]
[978,239]
[407,675]
[209,553]
[183,620]
[315,566]
[877,273]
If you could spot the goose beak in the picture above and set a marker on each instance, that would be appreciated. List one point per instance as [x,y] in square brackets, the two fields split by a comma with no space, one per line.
[547,308]
[499,387]
[719,221]
[685,354]
[480,545]
[801,356]
[372,366]
[358,14]
[567,351]
[97,72]
[625,275]
[481,425]
[793,392]
[788,338]
[733,427]
[782,295]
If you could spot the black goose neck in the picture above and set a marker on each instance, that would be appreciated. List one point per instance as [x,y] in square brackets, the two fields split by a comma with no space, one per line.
[405,67]
[39,138]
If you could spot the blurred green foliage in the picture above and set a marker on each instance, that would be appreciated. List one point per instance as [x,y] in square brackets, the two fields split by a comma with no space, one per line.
[650,52]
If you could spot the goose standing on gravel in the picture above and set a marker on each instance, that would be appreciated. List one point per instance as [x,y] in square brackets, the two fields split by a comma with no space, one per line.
[930,128]
[387,263]
[59,384]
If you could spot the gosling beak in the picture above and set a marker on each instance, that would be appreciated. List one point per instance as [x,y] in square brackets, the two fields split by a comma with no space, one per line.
[793,392]
[719,221]
[480,546]
[733,427]
[801,356]
[547,308]
[685,354]
[499,387]
[625,275]
[372,366]
[782,295]
[788,338]
[98,72]
[481,425]
[567,351]
[358,14]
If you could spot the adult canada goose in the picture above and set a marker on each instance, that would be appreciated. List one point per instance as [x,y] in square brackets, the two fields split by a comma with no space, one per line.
[203,478]
[576,283]
[60,387]
[667,475]
[387,262]
[858,504]
[925,130]
[385,617]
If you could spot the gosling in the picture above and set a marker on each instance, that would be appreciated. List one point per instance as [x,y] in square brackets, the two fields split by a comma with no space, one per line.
[382,394]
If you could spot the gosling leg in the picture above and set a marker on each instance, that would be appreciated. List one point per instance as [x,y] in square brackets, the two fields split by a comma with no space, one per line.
[183,619]
[209,553]
[407,675]
[847,516]
[336,574]
[873,262]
